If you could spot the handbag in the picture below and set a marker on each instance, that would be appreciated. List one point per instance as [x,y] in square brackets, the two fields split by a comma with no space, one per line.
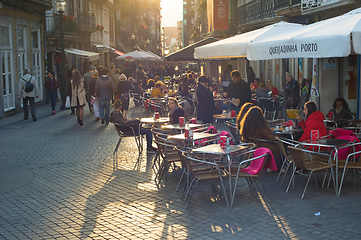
[290,101]
[67,102]
[131,102]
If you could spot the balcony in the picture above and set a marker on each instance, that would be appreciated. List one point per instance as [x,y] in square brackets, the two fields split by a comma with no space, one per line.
[86,21]
[328,8]
[256,14]
[120,26]
[287,7]
[53,25]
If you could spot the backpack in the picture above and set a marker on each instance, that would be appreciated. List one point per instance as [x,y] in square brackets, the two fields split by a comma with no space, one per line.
[28,86]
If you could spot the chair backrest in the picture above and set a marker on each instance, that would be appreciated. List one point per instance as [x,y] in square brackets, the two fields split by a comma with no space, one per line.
[292,113]
[298,157]
[344,152]
[225,133]
[121,130]
[257,163]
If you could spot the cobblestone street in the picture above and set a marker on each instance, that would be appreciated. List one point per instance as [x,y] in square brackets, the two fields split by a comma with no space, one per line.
[74,193]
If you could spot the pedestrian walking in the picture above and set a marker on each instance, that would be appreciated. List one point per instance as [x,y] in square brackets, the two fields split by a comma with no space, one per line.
[51,85]
[87,79]
[95,100]
[28,90]
[104,87]
[78,99]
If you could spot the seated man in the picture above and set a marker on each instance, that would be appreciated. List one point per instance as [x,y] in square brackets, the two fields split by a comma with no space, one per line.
[124,124]
[176,111]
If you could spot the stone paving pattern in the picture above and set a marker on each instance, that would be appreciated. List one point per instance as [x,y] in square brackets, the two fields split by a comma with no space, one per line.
[76,194]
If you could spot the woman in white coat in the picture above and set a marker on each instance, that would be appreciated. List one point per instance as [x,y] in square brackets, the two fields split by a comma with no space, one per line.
[78,99]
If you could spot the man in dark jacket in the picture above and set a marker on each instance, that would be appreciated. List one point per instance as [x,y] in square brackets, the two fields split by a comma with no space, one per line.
[238,91]
[104,88]
[292,94]
[125,125]
[206,107]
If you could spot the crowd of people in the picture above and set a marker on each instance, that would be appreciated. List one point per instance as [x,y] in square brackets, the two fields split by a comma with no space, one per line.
[100,86]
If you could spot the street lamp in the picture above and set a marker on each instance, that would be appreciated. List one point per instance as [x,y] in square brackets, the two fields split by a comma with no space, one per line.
[132,37]
[60,6]
[148,41]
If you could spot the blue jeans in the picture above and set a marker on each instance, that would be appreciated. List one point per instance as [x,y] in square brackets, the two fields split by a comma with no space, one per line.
[52,96]
[104,108]
[31,100]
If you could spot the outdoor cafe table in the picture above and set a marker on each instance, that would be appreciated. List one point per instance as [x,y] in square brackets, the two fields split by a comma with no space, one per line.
[217,150]
[197,136]
[149,122]
[223,117]
[334,144]
[292,133]
[177,127]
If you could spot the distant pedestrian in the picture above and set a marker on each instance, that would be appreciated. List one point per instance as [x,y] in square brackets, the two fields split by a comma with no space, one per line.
[87,79]
[95,100]
[104,87]
[69,77]
[78,99]
[51,85]
[28,91]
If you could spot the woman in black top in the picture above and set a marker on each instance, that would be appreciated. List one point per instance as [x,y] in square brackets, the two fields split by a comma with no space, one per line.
[123,89]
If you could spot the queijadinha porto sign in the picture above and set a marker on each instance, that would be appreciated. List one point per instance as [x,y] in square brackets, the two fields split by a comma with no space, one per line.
[307,47]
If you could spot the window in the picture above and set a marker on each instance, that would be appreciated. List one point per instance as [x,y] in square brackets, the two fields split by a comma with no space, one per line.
[8,81]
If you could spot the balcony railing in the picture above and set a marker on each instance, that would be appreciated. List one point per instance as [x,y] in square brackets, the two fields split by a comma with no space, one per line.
[309,4]
[120,26]
[86,19]
[53,25]
[280,4]
[255,11]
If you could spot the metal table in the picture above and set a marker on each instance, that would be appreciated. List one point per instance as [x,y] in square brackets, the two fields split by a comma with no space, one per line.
[335,144]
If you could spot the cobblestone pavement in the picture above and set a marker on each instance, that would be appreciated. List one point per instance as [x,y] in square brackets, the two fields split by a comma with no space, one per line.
[76,194]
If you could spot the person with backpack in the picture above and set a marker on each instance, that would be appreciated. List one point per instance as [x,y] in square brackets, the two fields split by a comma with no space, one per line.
[28,90]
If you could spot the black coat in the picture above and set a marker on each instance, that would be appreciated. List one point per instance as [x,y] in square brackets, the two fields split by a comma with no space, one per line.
[206,107]
[241,91]
[292,88]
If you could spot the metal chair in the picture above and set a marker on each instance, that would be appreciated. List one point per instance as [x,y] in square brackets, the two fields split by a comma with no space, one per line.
[350,163]
[236,170]
[302,166]
[137,137]
[214,174]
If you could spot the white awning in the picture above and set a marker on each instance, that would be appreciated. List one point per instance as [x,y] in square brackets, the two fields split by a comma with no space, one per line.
[103,46]
[333,37]
[90,55]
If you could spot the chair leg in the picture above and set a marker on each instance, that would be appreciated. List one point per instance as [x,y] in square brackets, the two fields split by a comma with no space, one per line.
[279,174]
[286,171]
[314,176]
[342,178]
[308,180]
[180,180]
[190,193]
[224,190]
[293,174]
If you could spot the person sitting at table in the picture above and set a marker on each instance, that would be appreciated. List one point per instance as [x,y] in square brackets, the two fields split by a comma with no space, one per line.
[157,91]
[176,111]
[206,106]
[124,125]
[314,121]
[242,112]
[254,85]
[150,83]
[262,90]
[238,91]
[341,112]
[272,88]
[254,128]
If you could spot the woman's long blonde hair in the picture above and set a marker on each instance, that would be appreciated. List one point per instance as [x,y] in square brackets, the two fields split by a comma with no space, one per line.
[252,124]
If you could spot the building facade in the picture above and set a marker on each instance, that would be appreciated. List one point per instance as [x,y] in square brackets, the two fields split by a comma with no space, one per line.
[22,46]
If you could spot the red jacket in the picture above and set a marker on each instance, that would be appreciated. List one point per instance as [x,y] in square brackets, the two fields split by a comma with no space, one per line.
[313,122]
